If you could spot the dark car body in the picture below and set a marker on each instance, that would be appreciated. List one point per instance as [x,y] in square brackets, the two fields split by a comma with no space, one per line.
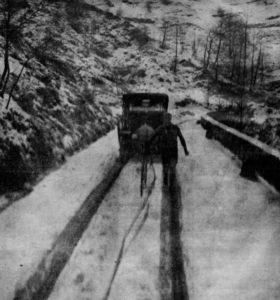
[138,108]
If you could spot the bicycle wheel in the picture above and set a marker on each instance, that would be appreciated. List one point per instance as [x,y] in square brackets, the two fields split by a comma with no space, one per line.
[145,172]
[143,175]
[142,180]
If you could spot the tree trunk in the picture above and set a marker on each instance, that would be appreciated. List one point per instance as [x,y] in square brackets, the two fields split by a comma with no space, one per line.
[245,55]
[233,66]
[257,68]
[209,53]
[262,69]
[6,71]
[217,57]
[164,37]
[176,51]
[252,64]
[239,63]
[204,55]
[16,82]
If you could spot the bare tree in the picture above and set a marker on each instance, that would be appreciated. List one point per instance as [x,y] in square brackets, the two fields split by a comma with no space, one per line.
[15,15]
[233,65]
[252,69]
[74,9]
[165,28]
[220,36]
[194,48]
[16,82]
[245,54]
[176,47]
[256,69]
[148,5]
[208,94]
[262,69]
[239,62]
[207,50]
[230,51]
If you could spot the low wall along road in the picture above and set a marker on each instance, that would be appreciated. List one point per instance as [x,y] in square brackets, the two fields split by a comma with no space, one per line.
[255,155]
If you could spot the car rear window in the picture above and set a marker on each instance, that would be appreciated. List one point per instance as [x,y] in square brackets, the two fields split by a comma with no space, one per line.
[138,108]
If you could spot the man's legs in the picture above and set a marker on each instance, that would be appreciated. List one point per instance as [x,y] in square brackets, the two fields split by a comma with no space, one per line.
[169,162]
[172,170]
[165,174]
[165,166]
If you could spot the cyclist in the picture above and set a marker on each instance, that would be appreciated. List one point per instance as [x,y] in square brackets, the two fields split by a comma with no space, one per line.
[168,134]
[143,134]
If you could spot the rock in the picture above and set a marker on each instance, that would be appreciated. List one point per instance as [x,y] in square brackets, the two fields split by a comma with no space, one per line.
[272,85]
[269,110]
[141,73]
[209,134]
[132,81]
[183,102]
[26,102]
[273,101]
[27,187]
[248,169]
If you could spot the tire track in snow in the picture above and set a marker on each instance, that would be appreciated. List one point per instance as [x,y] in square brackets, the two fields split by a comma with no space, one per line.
[141,216]
[172,278]
[41,283]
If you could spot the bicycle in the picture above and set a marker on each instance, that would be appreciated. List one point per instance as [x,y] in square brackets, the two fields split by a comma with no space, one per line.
[146,157]
[144,168]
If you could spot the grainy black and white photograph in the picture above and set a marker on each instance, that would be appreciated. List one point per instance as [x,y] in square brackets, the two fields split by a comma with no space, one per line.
[139,149]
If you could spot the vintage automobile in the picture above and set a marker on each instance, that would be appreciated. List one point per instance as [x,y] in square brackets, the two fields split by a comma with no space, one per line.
[136,108]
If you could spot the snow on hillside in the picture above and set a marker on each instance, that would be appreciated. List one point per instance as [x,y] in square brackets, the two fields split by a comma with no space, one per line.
[69,93]
[63,100]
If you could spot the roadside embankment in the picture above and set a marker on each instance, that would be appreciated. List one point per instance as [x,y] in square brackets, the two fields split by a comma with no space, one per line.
[256,156]
[40,284]
[39,232]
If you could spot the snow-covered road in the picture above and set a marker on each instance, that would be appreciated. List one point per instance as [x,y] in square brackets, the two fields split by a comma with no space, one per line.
[231,226]
[30,226]
[230,234]
[91,267]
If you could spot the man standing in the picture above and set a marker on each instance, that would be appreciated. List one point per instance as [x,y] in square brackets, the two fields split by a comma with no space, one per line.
[168,134]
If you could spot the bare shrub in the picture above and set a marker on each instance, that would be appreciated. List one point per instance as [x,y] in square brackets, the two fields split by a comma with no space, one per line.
[50,96]
[166,2]
[74,13]
[26,102]
[77,25]
[119,12]
[74,9]
[148,5]
[101,52]
[87,95]
[140,35]
[57,17]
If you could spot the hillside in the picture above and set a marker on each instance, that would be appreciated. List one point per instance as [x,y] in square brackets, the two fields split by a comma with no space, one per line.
[82,58]
[63,99]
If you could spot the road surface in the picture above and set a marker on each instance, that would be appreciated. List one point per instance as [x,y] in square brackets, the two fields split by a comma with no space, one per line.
[219,230]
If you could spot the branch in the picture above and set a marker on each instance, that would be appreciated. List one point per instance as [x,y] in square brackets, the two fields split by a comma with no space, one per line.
[16,82]
[25,18]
